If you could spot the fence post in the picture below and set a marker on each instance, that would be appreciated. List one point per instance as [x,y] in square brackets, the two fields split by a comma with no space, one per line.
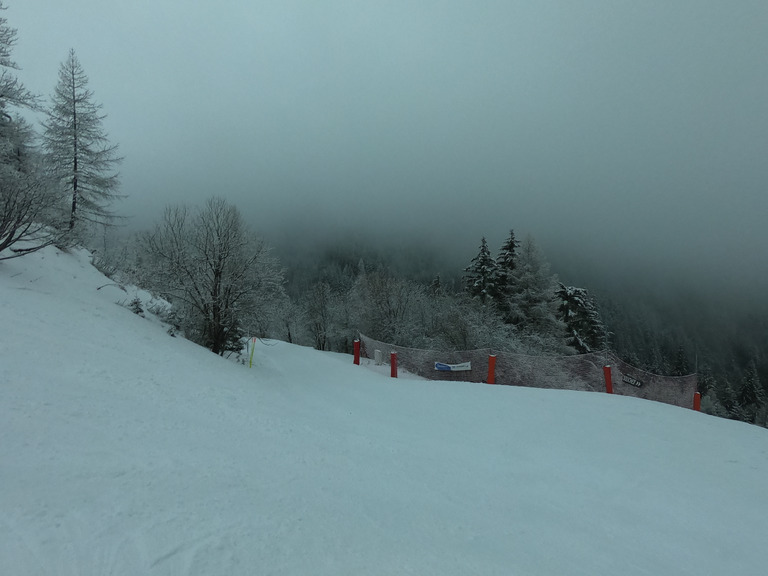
[491,369]
[697,401]
[608,382]
[393,364]
[357,351]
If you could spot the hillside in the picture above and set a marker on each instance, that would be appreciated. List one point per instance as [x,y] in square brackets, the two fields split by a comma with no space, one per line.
[125,451]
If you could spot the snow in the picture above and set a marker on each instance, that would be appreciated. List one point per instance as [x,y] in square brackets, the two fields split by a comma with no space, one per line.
[126,451]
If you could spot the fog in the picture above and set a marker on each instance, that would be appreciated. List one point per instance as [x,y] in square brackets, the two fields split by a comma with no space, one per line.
[629,138]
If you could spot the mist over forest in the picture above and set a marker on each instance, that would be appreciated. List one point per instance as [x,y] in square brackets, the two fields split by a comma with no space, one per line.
[374,147]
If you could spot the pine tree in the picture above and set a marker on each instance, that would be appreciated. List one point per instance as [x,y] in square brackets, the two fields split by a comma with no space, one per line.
[585,329]
[507,262]
[79,154]
[532,299]
[751,396]
[681,367]
[482,275]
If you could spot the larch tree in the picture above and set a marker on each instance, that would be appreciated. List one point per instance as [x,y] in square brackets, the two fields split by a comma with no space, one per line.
[80,157]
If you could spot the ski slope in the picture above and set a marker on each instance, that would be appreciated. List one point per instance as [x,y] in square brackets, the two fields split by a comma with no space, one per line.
[126,451]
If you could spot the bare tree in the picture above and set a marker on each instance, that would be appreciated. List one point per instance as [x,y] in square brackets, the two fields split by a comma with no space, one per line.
[319,304]
[222,279]
[81,159]
[26,204]
[391,309]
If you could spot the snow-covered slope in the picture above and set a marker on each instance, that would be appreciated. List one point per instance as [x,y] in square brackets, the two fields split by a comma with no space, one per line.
[125,451]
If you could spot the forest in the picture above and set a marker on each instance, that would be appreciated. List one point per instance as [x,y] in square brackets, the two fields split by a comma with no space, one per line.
[507,299]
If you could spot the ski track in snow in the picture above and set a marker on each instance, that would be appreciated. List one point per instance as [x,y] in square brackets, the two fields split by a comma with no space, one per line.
[124,451]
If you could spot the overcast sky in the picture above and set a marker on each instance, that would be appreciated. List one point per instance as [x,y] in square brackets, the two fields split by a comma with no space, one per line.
[633,132]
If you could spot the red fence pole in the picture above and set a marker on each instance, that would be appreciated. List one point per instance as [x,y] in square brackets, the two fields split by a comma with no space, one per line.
[697,401]
[356,344]
[393,364]
[608,382]
[491,369]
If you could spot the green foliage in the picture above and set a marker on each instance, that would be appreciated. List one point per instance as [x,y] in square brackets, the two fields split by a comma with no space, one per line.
[506,262]
[136,306]
[584,327]
[751,396]
[482,275]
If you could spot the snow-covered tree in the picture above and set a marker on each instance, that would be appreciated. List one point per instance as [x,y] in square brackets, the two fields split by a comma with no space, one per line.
[506,262]
[482,275]
[26,203]
[532,303]
[222,279]
[28,214]
[293,321]
[319,306]
[390,308]
[12,91]
[577,309]
[681,366]
[751,396]
[81,159]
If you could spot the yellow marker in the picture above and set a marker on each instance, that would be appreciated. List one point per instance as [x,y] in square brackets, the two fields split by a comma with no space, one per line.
[253,347]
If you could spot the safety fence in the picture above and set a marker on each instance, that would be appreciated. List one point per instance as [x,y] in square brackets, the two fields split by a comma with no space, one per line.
[578,372]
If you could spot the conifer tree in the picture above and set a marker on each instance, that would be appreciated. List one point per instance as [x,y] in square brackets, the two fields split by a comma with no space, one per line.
[751,396]
[532,302]
[726,396]
[82,161]
[506,262]
[681,367]
[585,329]
[482,275]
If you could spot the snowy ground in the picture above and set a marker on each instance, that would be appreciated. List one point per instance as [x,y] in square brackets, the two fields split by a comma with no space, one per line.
[125,451]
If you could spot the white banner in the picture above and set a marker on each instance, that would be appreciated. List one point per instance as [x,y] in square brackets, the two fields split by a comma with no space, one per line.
[463,367]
